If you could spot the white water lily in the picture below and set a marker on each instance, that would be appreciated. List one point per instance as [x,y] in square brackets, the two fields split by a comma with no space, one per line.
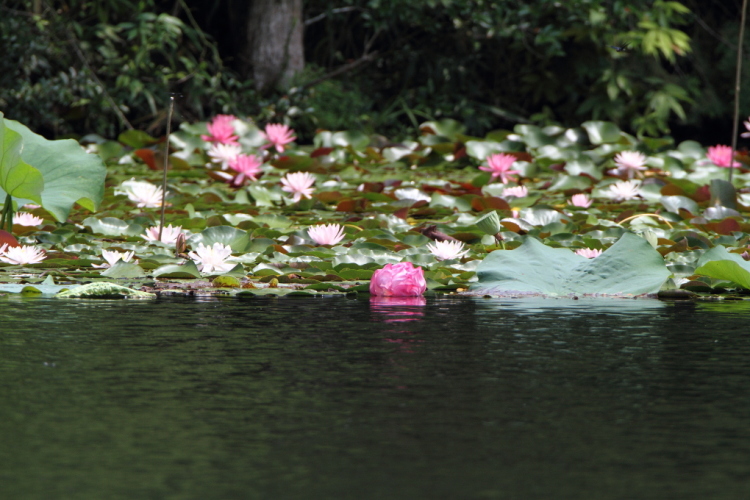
[326,234]
[224,153]
[143,193]
[625,190]
[589,253]
[26,219]
[447,250]
[112,256]
[26,254]
[214,258]
[168,235]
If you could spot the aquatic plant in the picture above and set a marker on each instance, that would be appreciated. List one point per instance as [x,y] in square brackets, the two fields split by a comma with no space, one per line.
[398,280]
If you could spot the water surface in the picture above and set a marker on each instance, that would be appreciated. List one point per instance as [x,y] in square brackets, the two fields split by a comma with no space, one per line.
[339,398]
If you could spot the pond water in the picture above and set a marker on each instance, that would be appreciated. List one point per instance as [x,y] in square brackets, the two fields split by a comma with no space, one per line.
[342,398]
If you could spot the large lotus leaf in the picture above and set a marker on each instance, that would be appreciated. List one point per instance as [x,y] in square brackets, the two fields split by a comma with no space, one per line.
[70,174]
[122,269]
[17,177]
[629,267]
[720,264]
[238,239]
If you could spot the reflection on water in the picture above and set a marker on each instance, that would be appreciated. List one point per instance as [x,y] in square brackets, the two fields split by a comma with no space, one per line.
[336,398]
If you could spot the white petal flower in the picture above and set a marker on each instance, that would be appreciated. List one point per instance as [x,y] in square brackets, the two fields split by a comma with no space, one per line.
[212,259]
[447,250]
[168,235]
[26,219]
[224,153]
[299,184]
[112,256]
[26,254]
[629,162]
[326,234]
[625,190]
[411,194]
[517,192]
[143,193]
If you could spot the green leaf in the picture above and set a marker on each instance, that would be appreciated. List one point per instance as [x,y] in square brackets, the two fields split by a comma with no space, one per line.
[124,270]
[70,174]
[602,132]
[629,267]
[723,194]
[136,139]
[720,264]
[178,271]
[111,226]
[17,178]
[238,239]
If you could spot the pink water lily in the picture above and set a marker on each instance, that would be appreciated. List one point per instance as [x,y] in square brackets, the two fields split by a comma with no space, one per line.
[299,184]
[326,234]
[221,130]
[580,200]
[278,135]
[515,192]
[499,165]
[247,167]
[721,156]
[747,127]
[398,280]
[589,253]
[20,255]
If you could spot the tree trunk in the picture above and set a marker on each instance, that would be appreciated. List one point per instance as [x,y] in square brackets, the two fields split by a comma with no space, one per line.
[274,50]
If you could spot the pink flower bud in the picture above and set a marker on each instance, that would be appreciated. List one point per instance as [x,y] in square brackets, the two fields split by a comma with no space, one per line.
[398,280]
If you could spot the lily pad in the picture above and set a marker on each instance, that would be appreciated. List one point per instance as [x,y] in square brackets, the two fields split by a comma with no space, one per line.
[720,264]
[629,267]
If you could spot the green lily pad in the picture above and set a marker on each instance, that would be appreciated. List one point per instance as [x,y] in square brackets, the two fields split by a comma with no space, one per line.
[720,264]
[629,267]
[178,271]
[17,178]
[124,270]
[238,239]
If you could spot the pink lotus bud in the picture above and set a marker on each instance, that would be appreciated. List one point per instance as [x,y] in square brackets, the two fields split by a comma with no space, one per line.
[398,280]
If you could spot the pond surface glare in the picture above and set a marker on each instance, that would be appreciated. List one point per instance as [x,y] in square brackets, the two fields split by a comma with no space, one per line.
[332,398]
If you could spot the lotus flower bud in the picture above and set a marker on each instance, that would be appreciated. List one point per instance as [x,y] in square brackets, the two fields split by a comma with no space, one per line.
[398,280]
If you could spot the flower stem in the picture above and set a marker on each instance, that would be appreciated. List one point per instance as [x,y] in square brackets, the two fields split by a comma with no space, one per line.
[738,76]
[7,218]
[166,163]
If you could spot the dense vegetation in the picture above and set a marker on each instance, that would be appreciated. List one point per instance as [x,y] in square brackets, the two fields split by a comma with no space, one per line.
[652,67]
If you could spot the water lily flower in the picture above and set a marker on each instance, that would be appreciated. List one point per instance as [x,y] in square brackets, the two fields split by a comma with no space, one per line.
[517,192]
[326,234]
[630,162]
[447,250]
[278,135]
[299,184]
[212,259]
[589,253]
[221,130]
[625,190]
[411,194]
[112,256]
[143,193]
[246,166]
[747,127]
[224,153]
[168,235]
[499,164]
[398,280]
[20,255]
[580,200]
[26,219]
[721,156]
